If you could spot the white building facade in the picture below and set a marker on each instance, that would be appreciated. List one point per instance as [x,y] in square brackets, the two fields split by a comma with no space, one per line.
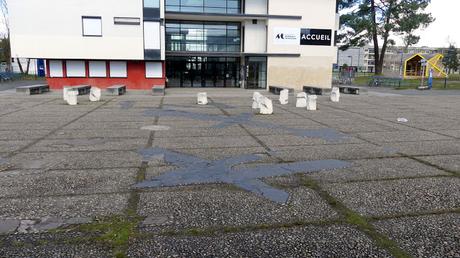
[180,43]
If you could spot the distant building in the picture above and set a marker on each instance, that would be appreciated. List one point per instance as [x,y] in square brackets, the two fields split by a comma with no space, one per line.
[360,57]
[363,58]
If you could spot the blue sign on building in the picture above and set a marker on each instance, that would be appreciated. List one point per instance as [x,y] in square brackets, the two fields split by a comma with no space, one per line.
[41,68]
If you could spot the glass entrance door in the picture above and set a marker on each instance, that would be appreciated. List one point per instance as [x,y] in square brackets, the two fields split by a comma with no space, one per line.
[256,72]
[203,71]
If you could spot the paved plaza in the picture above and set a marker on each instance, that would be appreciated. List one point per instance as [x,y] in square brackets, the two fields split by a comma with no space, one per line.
[144,176]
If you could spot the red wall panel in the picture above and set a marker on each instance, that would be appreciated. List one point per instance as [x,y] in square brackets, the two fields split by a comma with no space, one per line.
[136,79]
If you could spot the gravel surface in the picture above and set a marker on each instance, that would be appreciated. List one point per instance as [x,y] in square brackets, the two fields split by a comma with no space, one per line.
[335,241]
[62,165]
[426,236]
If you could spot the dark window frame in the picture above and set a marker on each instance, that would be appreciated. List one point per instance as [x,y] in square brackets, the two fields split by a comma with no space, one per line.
[203,8]
[203,42]
[135,21]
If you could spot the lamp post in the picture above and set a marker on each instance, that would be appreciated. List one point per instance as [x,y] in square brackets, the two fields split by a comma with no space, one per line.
[351,57]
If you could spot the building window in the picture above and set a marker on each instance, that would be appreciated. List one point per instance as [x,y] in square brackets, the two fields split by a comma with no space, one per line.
[97,69]
[76,69]
[152,3]
[203,36]
[152,35]
[204,6]
[153,70]
[118,69]
[56,69]
[126,21]
[92,26]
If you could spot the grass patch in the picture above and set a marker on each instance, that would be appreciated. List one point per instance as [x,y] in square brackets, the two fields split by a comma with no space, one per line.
[453,83]
[113,231]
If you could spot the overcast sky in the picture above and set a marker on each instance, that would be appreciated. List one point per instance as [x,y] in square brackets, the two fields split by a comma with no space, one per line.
[446,27]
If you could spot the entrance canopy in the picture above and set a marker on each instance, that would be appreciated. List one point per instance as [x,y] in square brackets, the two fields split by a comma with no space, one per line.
[413,66]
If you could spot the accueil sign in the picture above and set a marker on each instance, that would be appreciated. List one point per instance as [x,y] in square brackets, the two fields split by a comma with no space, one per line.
[295,36]
[315,37]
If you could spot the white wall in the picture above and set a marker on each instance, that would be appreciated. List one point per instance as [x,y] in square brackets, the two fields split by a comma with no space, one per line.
[53,29]
[256,6]
[255,37]
[314,66]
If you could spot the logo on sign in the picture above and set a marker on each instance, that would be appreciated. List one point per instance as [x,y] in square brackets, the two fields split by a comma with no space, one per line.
[316,37]
[287,36]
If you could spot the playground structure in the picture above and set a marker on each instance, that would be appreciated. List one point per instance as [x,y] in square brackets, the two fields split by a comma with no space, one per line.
[414,66]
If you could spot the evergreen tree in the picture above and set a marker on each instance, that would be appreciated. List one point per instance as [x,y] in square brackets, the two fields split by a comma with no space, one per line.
[451,59]
[378,21]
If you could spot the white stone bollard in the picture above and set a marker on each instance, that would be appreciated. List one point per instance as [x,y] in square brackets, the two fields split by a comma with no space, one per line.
[95,94]
[266,106]
[284,97]
[311,102]
[71,97]
[256,99]
[202,98]
[301,100]
[335,94]
[64,92]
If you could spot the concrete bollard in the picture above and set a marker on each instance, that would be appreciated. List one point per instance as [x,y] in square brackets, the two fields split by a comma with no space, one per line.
[71,97]
[335,94]
[266,106]
[311,102]
[301,100]
[95,94]
[284,97]
[202,98]
[256,97]
[64,92]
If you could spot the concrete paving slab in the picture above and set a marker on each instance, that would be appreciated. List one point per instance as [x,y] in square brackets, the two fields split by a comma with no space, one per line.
[190,123]
[332,151]
[21,134]
[331,241]
[101,133]
[101,126]
[234,131]
[96,118]
[274,141]
[212,206]
[399,196]
[8,226]
[425,236]
[47,183]
[51,245]
[402,136]
[376,169]
[453,133]
[63,206]
[448,162]
[29,126]
[11,146]
[205,142]
[450,147]
[76,160]
[221,153]
[92,144]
